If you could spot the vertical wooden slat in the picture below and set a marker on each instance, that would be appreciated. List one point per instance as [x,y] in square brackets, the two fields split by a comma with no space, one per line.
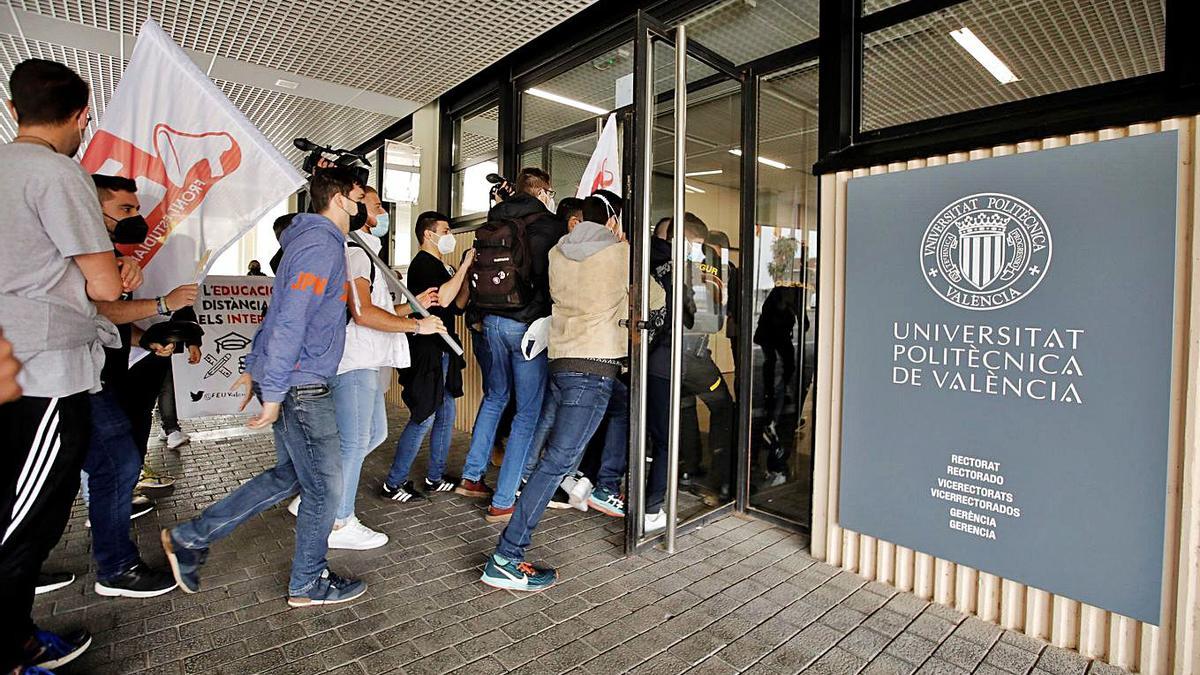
[837,335]
[1187,616]
[822,473]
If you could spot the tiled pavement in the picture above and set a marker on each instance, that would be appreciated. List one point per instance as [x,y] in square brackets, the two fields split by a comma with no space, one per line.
[738,596]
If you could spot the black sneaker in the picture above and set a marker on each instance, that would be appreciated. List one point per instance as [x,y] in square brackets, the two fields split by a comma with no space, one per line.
[403,493]
[48,650]
[141,506]
[560,500]
[440,485]
[139,581]
[52,581]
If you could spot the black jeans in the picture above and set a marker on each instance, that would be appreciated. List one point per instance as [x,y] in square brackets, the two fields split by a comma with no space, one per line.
[703,382]
[46,440]
[139,391]
[166,401]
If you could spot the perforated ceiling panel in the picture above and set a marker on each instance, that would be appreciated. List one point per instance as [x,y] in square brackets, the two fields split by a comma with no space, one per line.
[413,50]
[410,49]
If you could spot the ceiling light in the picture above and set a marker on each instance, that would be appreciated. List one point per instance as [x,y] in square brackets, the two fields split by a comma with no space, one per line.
[286,84]
[712,172]
[693,188]
[566,101]
[763,160]
[975,47]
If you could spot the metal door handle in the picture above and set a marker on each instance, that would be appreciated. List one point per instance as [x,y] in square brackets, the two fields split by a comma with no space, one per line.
[641,325]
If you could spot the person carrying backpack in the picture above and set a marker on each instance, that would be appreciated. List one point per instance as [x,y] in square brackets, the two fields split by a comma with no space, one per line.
[511,289]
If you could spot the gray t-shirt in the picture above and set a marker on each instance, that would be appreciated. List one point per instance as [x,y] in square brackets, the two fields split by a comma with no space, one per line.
[51,214]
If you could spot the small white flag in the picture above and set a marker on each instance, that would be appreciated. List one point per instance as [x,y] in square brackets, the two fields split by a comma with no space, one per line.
[604,169]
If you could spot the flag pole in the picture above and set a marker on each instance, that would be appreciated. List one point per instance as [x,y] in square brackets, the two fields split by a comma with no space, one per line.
[397,286]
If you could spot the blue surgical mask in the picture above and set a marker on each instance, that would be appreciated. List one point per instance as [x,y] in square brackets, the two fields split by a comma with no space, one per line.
[382,221]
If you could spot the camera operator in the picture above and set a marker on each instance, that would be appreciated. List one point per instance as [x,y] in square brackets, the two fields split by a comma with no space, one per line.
[510,374]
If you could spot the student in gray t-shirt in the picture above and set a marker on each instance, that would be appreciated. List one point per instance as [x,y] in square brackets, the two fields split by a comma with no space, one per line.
[56,260]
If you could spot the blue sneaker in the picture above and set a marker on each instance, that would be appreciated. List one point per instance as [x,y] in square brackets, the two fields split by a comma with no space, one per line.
[607,502]
[49,650]
[517,576]
[185,562]
[34,670]
[330,589]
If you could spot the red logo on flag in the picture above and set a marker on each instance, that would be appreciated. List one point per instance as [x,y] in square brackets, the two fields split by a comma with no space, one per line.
[172,182]
[604,177]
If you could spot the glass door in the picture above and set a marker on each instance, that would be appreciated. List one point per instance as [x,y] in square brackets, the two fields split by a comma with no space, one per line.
[686,203]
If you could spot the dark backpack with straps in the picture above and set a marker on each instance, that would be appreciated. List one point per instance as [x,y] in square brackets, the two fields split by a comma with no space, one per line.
[371,287]
[501,273]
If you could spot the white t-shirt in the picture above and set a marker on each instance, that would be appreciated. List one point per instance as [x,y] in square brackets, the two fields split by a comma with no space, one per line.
[367,348]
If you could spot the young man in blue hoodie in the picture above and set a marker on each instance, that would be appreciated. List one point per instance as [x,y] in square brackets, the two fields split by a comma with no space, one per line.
[294,356]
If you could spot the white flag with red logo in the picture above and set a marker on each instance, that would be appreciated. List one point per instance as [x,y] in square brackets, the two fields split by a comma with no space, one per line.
[205,174]
[604,169]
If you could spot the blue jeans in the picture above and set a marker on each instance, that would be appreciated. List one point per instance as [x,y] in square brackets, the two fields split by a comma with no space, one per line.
[442,423]
[112,466]
[614,456]
[361,424]
[308,459]
[583,401]
[508,374]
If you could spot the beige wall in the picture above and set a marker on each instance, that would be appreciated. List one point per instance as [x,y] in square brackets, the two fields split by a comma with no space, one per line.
[1122,641]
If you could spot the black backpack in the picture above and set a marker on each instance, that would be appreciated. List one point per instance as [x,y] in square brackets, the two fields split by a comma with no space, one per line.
[349,314]
[500,275]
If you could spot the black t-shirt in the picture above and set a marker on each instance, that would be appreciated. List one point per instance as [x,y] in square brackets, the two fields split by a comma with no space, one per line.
[424,272]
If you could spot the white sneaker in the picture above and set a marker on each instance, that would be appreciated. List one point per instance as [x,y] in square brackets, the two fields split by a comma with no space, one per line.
[294,507]
[177,438]
[568,482]
[580,493]
[654,522]
[356,537]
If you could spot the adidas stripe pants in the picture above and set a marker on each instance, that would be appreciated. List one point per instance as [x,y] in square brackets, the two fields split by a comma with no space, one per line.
[44,444]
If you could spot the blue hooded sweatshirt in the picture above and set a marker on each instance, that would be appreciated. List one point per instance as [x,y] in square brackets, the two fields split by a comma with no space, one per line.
[303,335]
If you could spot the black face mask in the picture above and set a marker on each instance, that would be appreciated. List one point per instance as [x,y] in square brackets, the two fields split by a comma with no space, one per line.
[359,218]
[131,230]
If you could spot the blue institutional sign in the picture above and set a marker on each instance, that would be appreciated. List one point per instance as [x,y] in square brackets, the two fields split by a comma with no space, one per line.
[1008,365]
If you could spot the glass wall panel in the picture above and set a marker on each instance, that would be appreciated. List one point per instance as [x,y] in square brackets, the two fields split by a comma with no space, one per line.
[476,153]
[872,6]
[986,52]
[582,93]
[783,279]
[744,31]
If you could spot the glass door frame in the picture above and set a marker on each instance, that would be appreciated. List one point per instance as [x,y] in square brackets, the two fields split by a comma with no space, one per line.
[650,31]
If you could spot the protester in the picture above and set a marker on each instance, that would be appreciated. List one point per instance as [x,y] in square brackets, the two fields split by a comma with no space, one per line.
[434,379]
[294,356]
[151,376]
[114,462]
[375,343]
[589,284]
[57,259]
[510,374]
[570,212]
[255,269]
[169,429]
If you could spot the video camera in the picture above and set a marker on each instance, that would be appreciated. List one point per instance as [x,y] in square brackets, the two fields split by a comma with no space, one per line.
[501,189]
[355,161]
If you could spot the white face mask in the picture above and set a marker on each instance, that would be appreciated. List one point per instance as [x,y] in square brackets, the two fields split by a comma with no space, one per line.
[695,252]
[446,244]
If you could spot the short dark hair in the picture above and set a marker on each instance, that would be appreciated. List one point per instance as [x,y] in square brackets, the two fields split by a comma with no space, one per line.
[718,239]
[46,92]
[570,206]
[693,227]
[531,179]
[326,183]
[427,221]
[664,228]
[107,185]
[281,223]
[601,206]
